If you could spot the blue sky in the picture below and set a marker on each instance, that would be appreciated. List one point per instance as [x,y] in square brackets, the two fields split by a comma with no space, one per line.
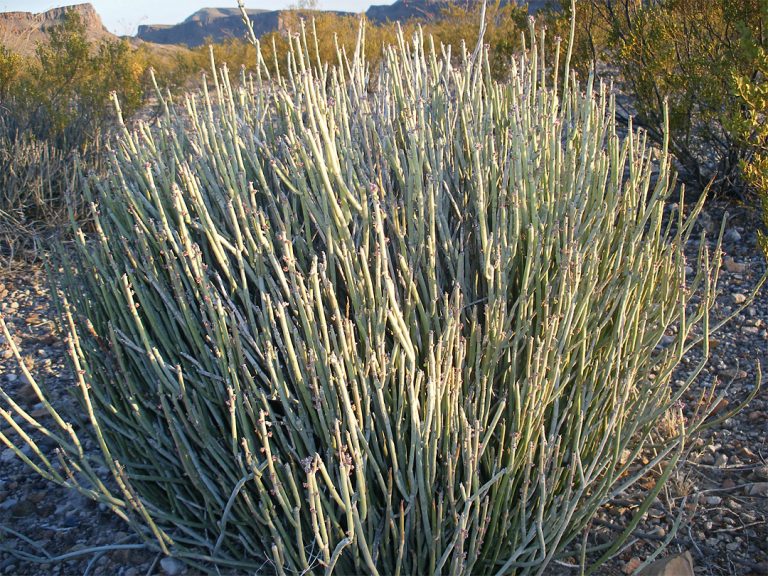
[123,17]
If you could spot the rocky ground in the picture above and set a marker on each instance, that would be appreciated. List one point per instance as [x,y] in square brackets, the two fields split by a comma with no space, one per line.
[717,496]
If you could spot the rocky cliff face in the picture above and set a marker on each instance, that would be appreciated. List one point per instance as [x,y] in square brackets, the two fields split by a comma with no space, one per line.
[22,31]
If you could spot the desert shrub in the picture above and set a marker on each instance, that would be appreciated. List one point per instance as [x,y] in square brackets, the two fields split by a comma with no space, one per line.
[62,95]
[54,107]
[73,81]
[751,124]
[410,327]
[687,55]
[11,65]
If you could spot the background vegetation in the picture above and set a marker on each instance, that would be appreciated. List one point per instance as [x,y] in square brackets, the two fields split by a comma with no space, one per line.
[53,107]
[707,61]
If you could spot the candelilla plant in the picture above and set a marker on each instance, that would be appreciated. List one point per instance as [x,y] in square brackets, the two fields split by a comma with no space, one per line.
[402,322]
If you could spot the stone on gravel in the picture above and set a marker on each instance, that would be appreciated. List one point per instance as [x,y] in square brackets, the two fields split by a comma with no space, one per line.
[171,566]
[678,565]
[37,496]
[707,459]
[24,508]
[631,565]
[734,267]
[733,235]
[758,489]
[739,298]
[728,484]
[755,415]
[745,452]
[721,461]
[7,456]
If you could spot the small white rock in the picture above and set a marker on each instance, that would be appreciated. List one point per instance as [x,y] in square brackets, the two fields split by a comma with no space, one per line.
[713,500]
[171,566]
[739,298]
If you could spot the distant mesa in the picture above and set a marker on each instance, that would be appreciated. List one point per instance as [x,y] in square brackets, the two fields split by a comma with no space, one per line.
[219,24]
[23,31]
[208,15]
[216,24]
[403,10]
[429,10]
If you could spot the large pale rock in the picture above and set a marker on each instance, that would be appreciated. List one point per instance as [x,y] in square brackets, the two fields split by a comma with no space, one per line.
[678,565]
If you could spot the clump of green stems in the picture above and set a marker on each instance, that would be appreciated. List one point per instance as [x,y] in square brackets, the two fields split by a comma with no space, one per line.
[402,323]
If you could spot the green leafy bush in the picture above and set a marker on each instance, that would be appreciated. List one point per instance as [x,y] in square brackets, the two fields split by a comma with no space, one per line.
[751,126]
[11,65]
[687,55]
[410,327]
[73,79]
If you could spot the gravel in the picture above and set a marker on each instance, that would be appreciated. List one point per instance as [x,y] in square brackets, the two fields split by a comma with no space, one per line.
[718,494]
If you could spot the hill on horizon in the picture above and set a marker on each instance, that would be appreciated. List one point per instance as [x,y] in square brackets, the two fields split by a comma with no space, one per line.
[219,24]
[21,32]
